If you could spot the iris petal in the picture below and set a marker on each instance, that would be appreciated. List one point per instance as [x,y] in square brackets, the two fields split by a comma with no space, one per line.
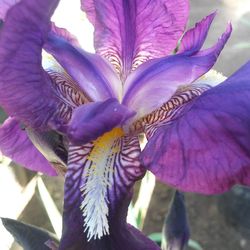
[65,34]
[92,73]
[155,81]
[5,5]
[169,111]
[206,148]
[15,144]
[128,33]
[194,38]
[26,91]
[99,182]
[91,120]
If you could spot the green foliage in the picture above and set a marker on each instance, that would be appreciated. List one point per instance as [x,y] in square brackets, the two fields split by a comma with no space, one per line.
[3,115]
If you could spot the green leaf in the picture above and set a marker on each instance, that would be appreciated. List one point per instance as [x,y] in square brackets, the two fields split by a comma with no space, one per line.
[139,219]
[156,237]
[194,245]
[3,115]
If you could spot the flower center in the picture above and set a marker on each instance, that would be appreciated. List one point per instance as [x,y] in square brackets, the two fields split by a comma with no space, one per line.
[105,144]
[98,178]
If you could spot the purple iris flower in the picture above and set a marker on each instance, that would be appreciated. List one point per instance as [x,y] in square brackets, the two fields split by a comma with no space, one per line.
[83,116]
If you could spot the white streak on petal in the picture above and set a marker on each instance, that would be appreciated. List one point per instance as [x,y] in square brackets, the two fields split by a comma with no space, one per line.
[99,176]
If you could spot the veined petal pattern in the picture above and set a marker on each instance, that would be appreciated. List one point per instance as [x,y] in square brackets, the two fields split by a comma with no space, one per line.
[99,176]
[129,32]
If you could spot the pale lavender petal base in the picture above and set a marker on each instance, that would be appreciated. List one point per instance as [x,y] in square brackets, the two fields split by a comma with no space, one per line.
[206,149]
[94,75]
[15,144]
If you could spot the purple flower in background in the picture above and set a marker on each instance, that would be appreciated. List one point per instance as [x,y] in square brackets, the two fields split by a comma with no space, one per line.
[83,117]
[175,230]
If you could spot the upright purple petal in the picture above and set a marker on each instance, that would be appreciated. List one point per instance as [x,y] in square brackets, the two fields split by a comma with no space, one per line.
[154,82]
[194,38]
[94,75]
[15,144]
[25,88]
[98,190]
[207,148]
[129,32]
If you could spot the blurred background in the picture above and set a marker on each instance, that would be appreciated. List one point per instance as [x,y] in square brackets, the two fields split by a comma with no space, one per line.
[217,222]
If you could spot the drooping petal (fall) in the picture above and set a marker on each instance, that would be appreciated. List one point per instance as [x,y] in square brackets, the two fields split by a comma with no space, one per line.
[98,188]
[30,237]
[207,148]
[154,82]
[128,33]
[15,144]
[91,120]
[93,74]
[26,90]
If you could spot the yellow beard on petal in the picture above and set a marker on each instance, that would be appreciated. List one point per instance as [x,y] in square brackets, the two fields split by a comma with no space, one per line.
[98,174]
[104,144]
